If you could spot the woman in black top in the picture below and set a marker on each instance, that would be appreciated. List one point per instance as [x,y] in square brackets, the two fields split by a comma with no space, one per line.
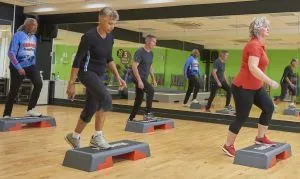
[93,56]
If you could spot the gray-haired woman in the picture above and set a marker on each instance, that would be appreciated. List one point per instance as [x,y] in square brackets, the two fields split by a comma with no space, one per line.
[247,87]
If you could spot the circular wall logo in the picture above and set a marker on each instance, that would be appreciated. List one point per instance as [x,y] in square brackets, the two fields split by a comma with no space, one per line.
[124,56]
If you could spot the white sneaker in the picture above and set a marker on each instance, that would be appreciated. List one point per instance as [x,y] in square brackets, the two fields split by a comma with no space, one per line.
[275,108]
[6,117]
[292,105]
[99,141]
[186,105]
[33,113]
[195,101]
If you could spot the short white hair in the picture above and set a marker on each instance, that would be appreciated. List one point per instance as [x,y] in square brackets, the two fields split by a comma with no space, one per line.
[29,21]
[257,24]
[108,11]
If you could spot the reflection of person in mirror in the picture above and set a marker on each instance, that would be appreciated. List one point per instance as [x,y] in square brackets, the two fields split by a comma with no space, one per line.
[22,55]
[218,81]
[192,73]
[247,87]
[141,68]
[288,82]
[94,54]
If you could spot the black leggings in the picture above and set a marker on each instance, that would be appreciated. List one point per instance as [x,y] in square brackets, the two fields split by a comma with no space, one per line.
[213,91]
[97,96]
[284,89]
[139,95]
[244,99]
[194,85]
[16,80]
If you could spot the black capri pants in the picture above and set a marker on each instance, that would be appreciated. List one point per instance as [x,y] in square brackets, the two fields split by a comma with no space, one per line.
[244,99]
[97,96]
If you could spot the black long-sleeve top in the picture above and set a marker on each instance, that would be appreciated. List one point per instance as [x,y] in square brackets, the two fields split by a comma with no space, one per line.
[94,52]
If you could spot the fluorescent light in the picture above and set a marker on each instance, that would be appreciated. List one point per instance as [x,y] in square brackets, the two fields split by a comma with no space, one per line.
[94,5]
[157,1]
[45,9]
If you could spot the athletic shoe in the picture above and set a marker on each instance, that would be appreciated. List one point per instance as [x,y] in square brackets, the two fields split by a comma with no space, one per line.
[275,108]
[186,105]
[6,117]
[149,116]
[98,141]
[195,101]
[229,150]
[229,108]
[264,140]
[292,105]
[33,113]
[75,143]
[131,119]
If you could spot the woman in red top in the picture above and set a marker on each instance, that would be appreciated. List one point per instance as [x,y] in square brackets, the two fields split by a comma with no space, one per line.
[247,87]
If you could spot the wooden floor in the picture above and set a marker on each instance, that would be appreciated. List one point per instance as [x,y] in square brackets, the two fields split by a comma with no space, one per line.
[219,103]
[191,150]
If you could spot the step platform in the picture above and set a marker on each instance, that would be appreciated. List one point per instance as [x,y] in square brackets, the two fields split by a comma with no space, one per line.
[225,111]
[92,159]
[197,106]
[147,126]
[291,112]
[17,123]
[262,156]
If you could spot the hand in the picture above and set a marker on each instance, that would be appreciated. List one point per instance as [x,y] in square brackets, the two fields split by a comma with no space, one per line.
[122,84]
[219,84]
[154,83]
[140,84]
[71,91]
[293,86]
[274,84]
[22,72]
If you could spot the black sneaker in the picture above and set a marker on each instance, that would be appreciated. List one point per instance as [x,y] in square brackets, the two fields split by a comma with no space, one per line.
[129,119]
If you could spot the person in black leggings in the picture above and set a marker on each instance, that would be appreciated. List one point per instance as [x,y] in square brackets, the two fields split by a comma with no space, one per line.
[94,54]
[218,81]
[288,84]
[22,55]
[141,68]
[192,73]
[247,87]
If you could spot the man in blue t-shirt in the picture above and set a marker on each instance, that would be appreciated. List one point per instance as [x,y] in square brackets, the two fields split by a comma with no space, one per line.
[142,68]
[22,55]
[192,73]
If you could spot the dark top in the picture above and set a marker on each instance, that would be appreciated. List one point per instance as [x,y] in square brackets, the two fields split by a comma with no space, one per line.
[288,72]
[145,60]
[220,67]
[94,52]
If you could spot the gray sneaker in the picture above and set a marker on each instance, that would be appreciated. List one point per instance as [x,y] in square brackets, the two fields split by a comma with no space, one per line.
[75,143]
[98,141]
[149,116]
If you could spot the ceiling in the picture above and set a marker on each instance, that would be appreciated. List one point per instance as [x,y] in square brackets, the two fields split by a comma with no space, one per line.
[73,38]
[218,32]
[230,32]
[222,31]
[67,6]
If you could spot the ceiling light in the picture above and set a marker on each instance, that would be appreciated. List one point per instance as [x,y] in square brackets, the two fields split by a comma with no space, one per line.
[45,9]
[157,1]
[94,5]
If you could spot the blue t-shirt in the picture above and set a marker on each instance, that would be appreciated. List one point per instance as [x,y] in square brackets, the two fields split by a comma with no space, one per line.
[145,60]
[22,50]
